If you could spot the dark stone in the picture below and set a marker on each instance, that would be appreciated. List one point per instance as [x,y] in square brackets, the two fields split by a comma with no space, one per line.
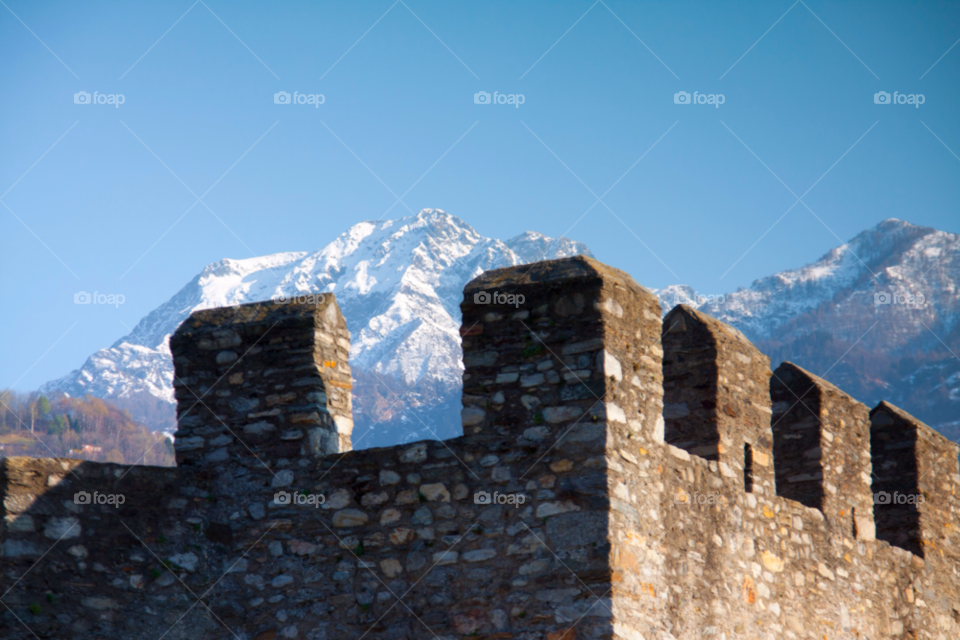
[219,533]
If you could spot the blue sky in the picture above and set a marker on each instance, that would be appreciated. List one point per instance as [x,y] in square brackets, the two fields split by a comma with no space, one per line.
[100,196]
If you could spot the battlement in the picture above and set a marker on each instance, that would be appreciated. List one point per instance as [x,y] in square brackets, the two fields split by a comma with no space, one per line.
[619,476]
[716,399]
[822,448]
[917,482]
[258,381]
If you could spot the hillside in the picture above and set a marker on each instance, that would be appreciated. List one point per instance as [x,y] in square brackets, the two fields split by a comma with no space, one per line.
[83,428]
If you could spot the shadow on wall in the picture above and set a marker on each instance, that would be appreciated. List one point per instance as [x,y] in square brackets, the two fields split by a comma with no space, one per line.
[870,473]
[98,529]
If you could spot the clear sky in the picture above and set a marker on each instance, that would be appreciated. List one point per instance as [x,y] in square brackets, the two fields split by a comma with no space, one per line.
[199,163]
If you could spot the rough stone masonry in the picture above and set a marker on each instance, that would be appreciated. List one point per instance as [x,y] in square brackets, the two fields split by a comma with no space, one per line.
[617,477]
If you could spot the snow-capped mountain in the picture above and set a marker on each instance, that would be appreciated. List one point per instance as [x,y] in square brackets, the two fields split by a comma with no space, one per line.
[399,284]
[878,316]
[894,257]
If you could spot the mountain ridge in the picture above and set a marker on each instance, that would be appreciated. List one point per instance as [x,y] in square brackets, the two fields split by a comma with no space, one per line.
[877,316]
[399,284]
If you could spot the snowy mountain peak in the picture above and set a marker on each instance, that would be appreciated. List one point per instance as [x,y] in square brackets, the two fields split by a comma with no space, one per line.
[398,282]
[893,256]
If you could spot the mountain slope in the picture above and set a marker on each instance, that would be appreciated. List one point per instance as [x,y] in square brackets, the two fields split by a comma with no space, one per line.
[877,316]
[894,257]
[399,285]
[85,428]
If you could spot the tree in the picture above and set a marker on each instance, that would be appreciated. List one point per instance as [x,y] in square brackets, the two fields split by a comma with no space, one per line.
[62,425]
[5,401]
[57,426]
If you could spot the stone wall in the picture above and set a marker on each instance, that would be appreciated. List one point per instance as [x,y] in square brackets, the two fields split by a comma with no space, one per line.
[911,460]
[577,504]
[716,384]
[822,448]
[262,382]
[80,545]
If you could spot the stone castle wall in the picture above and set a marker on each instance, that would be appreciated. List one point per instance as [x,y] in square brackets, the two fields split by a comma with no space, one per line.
[618,477]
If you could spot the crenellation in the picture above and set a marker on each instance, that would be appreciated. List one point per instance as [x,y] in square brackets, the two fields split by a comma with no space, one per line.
[290,394]
[916,474]
[716,397]
[603,488]
[822,448]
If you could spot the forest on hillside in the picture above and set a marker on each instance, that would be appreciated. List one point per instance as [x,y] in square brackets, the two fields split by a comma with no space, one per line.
[85,428]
